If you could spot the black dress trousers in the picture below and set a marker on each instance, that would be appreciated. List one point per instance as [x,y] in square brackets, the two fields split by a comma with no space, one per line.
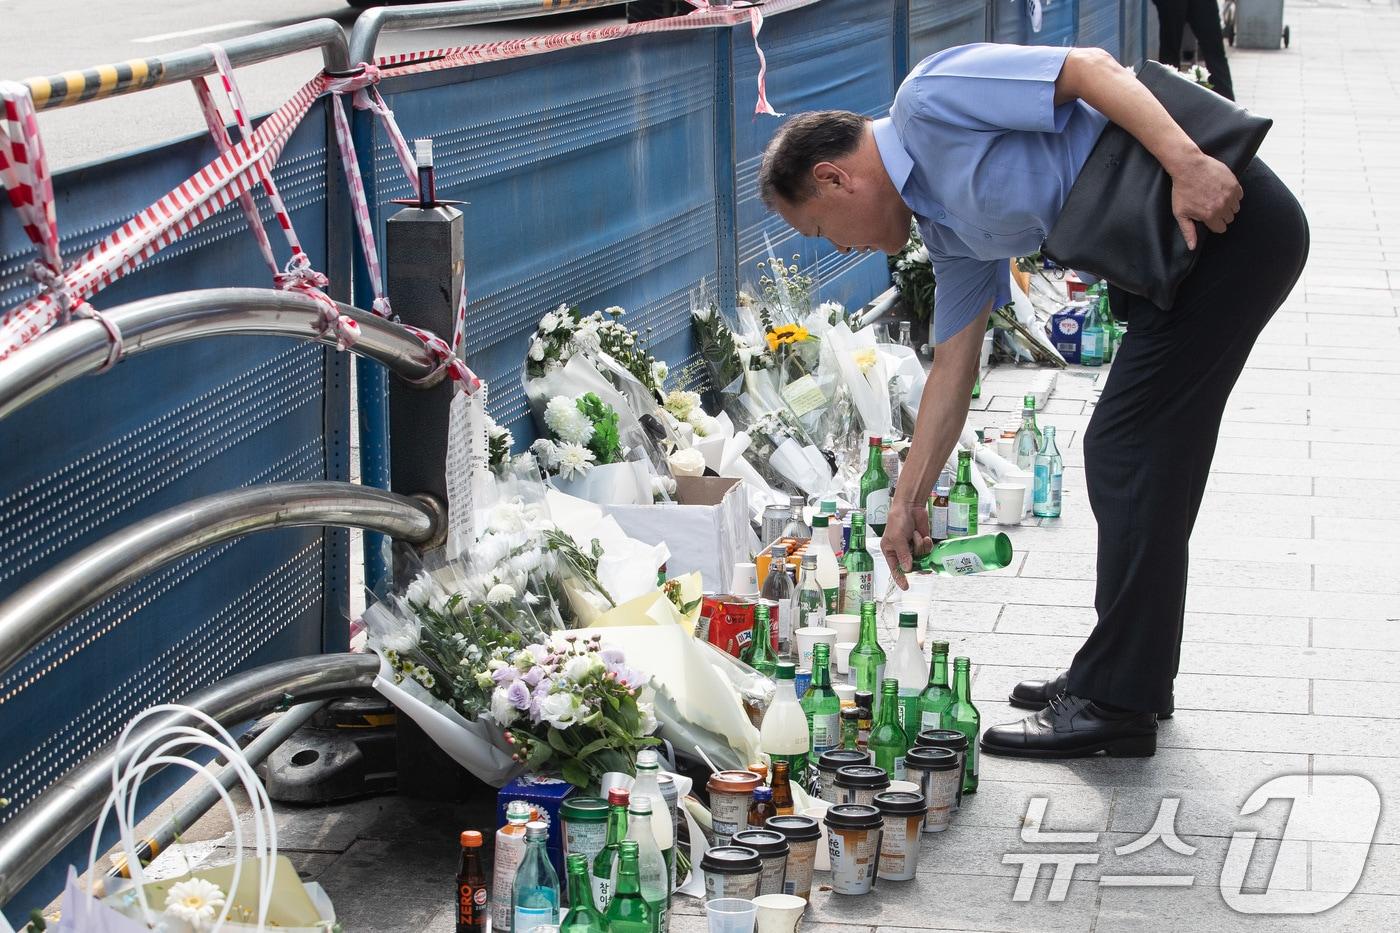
[1150,442]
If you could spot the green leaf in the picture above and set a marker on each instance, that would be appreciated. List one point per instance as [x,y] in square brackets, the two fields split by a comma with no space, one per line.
[575,773]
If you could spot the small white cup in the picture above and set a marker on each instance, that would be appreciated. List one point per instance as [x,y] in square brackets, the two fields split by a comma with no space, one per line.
[843,656]
[1006,448]
[745,579]
[779,913]
[847,626]
[817,811]
[1011,502]
[907,786]
[845,692]
[808,637]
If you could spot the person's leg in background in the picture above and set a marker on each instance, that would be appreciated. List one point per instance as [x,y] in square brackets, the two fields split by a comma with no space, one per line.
[1151,440]
[1171,21]
[1204,17]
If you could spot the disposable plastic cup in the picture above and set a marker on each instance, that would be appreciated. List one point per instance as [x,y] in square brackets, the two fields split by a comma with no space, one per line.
[843,656]
[1011,502]
[731,915]
[808,637]
[1006,448]
[817,811]
[847,626]
[845,692]
[779,913]
[745,579]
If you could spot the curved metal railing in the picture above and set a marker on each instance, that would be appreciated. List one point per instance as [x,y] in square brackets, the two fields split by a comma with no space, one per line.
[43,605]
[365,34]
[59,815]
[80,347]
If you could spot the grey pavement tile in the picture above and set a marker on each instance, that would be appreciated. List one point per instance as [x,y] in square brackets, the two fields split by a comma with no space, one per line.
[1278,602]
[1332,527]
[959,902]
[1283,732]
[1199,627]
[1253,481]
[954,616]
[998,803]
[1320,505]
[992,682]
[1364,635]
[1273,661]
[422,873]
[1352,697]
[1351,578]
[1202,909]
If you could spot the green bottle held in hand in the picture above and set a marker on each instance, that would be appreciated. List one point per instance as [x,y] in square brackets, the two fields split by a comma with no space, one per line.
[875,488]
[860,569]
[582,917]
[963,716]
[937,696]
[962,500]
[867,657]
[888,742]
[963,556]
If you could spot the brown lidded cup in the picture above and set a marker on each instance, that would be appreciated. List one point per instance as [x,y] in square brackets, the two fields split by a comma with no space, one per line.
[903,812]
[772,849]
[731,793]
[802,834]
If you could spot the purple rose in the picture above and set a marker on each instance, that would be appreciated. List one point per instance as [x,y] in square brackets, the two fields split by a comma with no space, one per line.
[533,676]
[519,696]
[504,675]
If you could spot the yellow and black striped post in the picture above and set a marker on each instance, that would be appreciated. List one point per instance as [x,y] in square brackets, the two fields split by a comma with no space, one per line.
[74,87]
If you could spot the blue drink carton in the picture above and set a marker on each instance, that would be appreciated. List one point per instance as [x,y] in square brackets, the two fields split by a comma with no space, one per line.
[1066,329]
[547,794]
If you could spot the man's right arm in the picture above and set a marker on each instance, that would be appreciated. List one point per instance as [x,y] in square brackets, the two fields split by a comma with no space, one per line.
[942,416]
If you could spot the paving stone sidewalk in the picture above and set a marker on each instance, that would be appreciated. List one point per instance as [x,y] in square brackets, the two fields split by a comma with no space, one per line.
[1291,660]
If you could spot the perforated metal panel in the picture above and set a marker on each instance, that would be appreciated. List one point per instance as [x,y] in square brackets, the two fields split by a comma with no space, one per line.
[1011,22]
[1100,24]
[162,428]
[591,181]
[836,55]
[935,25]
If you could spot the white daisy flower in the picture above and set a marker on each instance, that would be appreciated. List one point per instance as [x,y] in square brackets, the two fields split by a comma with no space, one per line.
[574,460]
[195,901]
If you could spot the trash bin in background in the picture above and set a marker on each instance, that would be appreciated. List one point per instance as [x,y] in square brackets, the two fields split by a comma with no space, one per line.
[1258,24]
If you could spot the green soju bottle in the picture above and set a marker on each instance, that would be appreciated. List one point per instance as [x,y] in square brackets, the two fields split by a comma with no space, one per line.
[962,500]
[962,556]
[937,696]
[867,657]
[1027,436]
[582,917]
[1110,326]
[603,879]
[963,716]
[822,705]
[888,743]
[1049,478]
[759,654]
[629,912]
[875,488]
[1091,338]
[860,568]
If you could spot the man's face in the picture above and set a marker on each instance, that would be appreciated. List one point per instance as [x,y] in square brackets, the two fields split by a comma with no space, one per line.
[852,212]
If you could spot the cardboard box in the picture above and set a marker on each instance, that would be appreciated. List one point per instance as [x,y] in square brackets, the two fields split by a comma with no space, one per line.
[1066,329]
[706,529]
[547,793]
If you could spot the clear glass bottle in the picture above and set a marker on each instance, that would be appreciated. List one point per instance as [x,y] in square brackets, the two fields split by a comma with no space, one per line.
[860,569]
[778,588]
[653,874]
[510,852]
[888,743]
[797,526]
[938,510]
[875,488]
[867,657]
[811,601]
[937,696]
[906,336]
[963,716]
[962,500]
[907,669]
[535,893]
[1027,436]
[1049,478]
[629,911]
[663,821]
[828,574]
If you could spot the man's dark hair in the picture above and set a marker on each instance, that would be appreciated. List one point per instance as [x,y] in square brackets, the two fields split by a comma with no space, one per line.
[802,142]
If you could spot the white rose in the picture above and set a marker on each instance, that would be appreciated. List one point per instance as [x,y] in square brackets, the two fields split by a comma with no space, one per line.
[536,350]
[500,593]
[502,710]
[579,667]
[560,710]
[687,463]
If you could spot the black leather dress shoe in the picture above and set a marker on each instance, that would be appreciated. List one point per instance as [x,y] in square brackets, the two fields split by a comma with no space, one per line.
[1074,727]
[1034,694]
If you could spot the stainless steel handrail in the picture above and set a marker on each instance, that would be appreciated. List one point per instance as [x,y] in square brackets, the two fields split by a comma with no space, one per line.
[43,605]
[139,74]
[365,34]
[60,814]
[80,347]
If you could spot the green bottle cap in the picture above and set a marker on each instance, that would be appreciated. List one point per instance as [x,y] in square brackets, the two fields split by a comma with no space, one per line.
[819,521]
[829,506]
[787,670]
[908,620]
[1029,400]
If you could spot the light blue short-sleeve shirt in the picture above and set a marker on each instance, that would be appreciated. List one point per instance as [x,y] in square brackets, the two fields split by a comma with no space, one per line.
[984,159]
